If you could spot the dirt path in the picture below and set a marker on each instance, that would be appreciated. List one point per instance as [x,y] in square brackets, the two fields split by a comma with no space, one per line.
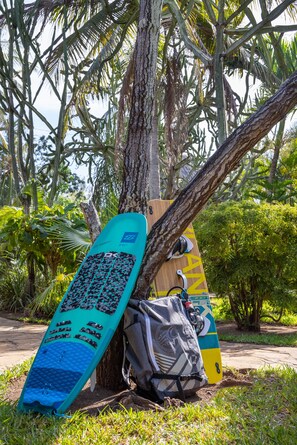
[246,355]
[19,341]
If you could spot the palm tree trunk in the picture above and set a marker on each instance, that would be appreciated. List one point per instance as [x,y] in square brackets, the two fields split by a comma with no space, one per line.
[92,219]
[136,156]
[154,181]
[137,152]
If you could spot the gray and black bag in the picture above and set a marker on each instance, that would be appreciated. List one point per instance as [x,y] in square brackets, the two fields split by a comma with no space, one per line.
[162,354]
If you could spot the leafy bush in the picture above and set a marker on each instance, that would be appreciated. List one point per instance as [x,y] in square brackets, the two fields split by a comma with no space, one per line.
[41,244]
[13,285]
[49,296]
[250,255]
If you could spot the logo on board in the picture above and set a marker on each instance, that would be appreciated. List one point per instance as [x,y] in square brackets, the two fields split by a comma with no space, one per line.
[129,237]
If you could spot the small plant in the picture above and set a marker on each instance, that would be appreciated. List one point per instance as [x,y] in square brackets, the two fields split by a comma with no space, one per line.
[221,309]
[13,285]
[47,301]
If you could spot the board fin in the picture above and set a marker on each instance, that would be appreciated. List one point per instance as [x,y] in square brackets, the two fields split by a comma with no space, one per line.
[93,380]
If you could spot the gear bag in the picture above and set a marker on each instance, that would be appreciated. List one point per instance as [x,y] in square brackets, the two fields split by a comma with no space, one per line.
[162,354]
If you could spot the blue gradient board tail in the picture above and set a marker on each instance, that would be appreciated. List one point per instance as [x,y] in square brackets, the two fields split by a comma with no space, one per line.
[87,317]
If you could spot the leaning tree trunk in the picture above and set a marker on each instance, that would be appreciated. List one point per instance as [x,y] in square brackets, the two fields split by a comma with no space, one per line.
[193,198]
[134,193]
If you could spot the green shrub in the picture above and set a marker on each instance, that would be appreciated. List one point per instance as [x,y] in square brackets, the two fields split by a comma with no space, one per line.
[41,244]
[13,285]
[49,296]
[250,255]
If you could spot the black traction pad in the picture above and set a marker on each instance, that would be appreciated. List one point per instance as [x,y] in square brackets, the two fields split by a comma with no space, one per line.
[100,282]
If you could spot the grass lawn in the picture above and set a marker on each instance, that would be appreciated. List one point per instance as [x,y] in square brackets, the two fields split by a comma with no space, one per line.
[263,413]
[279,339]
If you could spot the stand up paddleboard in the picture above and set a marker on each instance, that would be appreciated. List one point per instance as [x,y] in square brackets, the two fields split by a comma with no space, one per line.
[190,264]
[87,317]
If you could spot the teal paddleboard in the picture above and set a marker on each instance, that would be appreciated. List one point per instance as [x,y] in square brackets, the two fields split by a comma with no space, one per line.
[87,317]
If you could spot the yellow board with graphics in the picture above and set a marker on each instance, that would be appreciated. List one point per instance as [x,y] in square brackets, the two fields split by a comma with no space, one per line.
[191,266]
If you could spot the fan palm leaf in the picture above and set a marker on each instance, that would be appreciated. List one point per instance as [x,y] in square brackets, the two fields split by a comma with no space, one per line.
[70,239]
[109,50]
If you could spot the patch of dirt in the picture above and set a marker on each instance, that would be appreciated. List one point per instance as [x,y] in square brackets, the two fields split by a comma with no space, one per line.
[13,315]
[102,399]
[266,328]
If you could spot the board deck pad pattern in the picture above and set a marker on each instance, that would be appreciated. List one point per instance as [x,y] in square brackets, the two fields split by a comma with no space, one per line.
[192,267]
[86,318]
[103,275]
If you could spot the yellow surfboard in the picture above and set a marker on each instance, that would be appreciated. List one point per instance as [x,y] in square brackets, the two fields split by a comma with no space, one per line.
[190,264]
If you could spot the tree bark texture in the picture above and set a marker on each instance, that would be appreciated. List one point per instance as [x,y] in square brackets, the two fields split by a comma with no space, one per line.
[276,153]
[91,218]
[154,181]
[134,193]
[192,199]
[137,152]
[109,370]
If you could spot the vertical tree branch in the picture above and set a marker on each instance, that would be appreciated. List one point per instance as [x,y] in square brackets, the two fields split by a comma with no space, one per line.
[92,219]
[26,35]
[10,102]
[219,75]
[61,124]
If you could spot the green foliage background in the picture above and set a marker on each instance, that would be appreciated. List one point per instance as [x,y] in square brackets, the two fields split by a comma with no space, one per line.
[55,240]
[250,255]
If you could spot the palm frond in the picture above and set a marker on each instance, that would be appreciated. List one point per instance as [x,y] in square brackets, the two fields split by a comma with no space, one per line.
[93,34]
[48,299]
[109,50]
[71,239]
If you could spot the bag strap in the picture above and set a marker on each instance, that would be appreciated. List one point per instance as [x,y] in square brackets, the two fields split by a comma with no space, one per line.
[126,365]
[177,379]
[181,378]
